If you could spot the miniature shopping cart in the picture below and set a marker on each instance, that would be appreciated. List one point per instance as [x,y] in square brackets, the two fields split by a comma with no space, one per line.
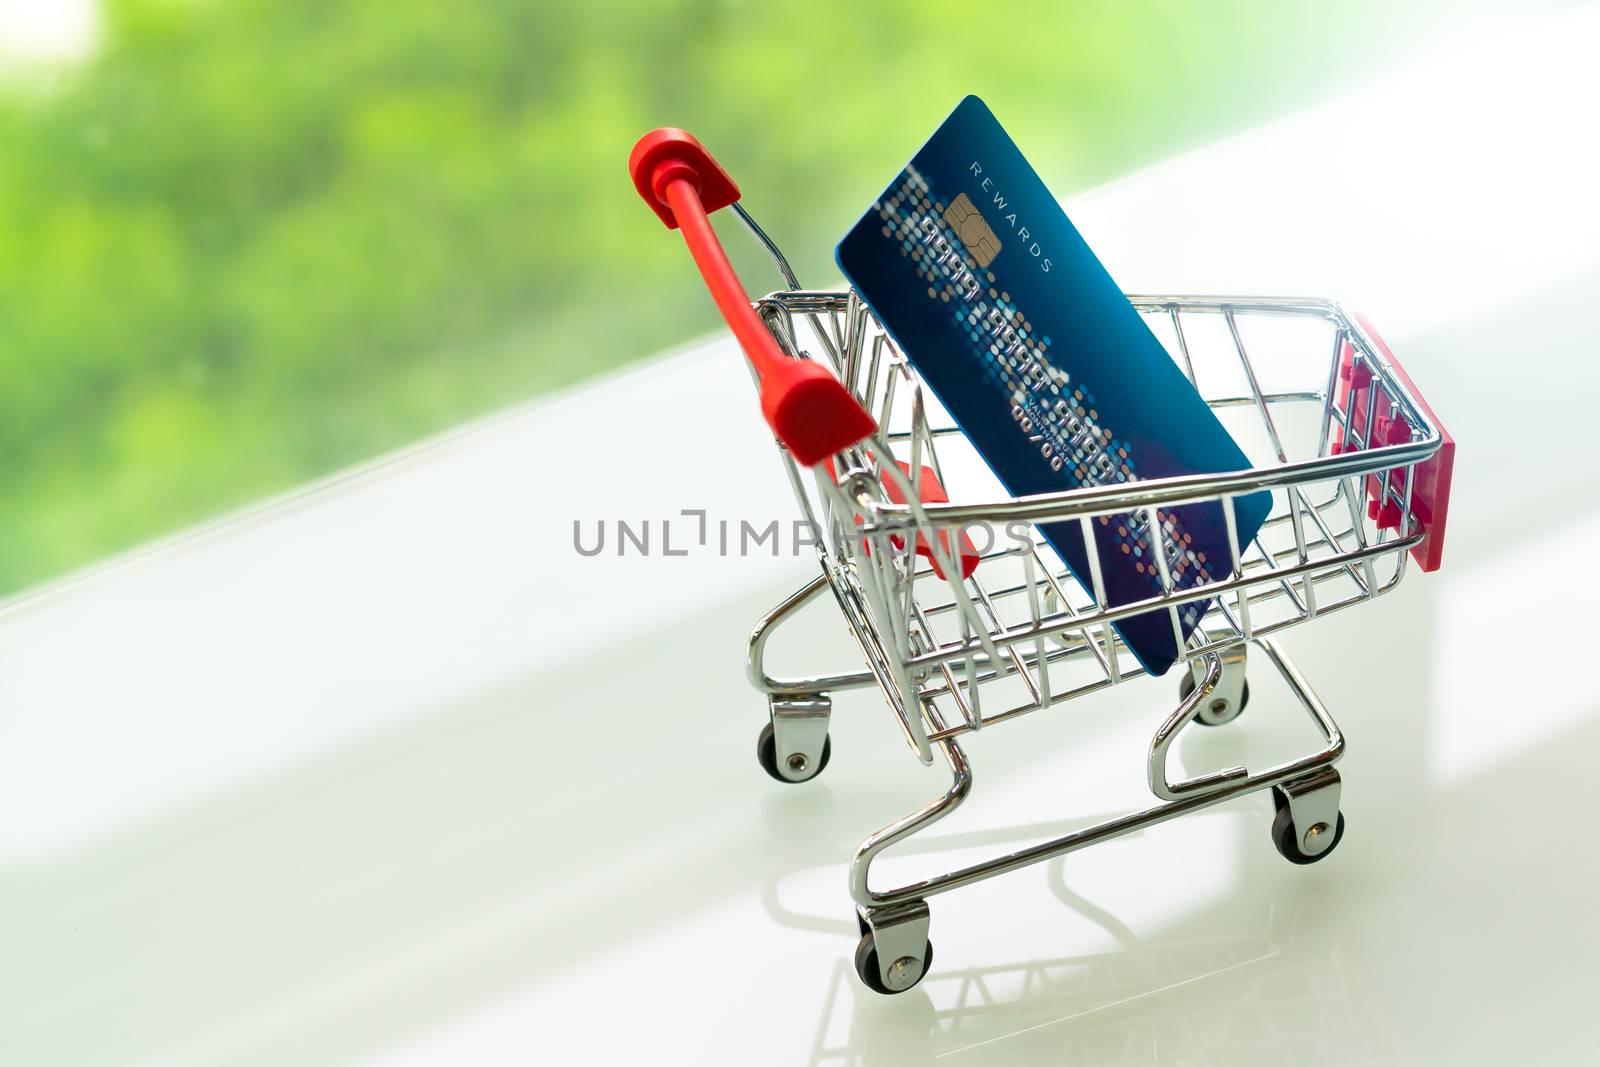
[961,637]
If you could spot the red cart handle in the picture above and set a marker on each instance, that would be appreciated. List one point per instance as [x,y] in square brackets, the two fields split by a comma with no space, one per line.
[807,408]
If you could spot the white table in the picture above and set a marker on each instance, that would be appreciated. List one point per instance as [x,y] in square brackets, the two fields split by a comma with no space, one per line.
[388,773]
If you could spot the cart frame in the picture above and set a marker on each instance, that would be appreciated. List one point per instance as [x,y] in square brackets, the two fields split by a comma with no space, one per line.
[895,948]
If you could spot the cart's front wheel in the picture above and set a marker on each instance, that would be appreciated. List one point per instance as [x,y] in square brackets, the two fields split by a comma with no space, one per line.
[1219,712]
[905,972]
[1293,845]
[797,768]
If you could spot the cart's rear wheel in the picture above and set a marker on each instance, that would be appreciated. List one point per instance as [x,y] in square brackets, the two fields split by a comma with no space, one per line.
[1288,840]
[767,754]
[1216,716]
[867,967]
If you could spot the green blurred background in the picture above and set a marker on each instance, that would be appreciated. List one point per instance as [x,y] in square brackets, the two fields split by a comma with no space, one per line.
[244,243]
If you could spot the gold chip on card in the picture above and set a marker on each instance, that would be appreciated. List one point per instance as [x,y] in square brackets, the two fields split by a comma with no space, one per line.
[975,233]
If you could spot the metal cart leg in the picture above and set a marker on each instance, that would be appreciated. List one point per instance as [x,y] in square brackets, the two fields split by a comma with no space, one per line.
[1231,693]
[755,660]
[895,951]
[1307,828]
[794,745]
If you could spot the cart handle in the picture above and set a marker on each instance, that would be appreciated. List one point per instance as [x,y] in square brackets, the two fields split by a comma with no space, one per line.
[809,410]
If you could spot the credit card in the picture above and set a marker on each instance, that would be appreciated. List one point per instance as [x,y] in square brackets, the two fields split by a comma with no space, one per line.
[976,272]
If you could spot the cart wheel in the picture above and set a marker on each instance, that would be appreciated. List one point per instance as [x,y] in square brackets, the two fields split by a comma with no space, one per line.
[1186,686]
[1288,841]
[867,967]
[767,754]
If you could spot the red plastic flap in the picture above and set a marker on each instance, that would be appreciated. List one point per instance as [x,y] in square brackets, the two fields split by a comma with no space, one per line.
[1430,488]
[930,491]
[668,153]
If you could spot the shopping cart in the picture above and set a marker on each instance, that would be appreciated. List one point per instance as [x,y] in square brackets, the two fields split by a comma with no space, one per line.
[960,637]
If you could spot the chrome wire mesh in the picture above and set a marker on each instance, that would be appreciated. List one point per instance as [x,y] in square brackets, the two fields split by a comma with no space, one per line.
[1022,634]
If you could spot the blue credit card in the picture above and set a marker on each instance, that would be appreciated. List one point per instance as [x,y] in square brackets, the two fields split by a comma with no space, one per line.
[976,272]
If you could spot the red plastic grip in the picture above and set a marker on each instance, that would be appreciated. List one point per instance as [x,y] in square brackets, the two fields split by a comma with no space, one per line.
[807,408]
[1430,486]
[668,153]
